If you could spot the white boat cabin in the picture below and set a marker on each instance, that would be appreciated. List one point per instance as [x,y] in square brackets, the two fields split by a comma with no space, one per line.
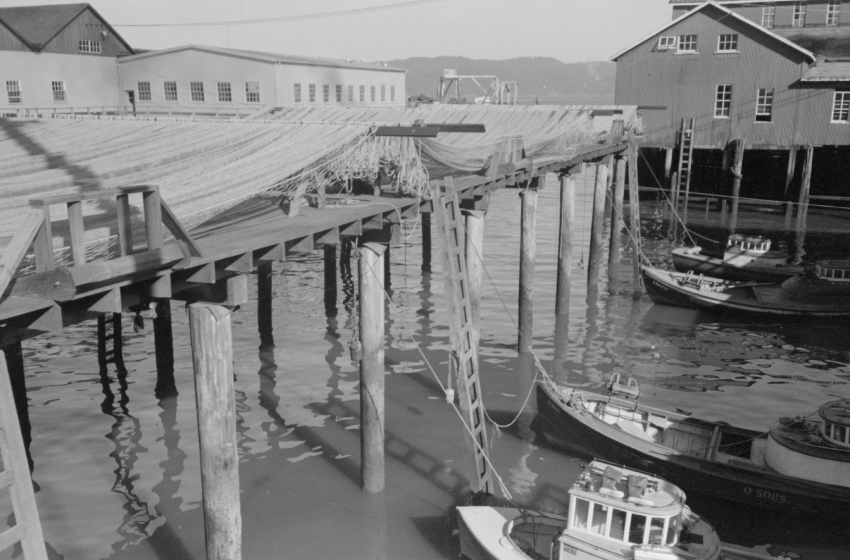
[833,270]
[750,245]
[609,509]
[836,423]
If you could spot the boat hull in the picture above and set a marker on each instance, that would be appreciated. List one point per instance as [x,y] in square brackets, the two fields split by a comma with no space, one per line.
[801,458]
[587,435]
[690,259]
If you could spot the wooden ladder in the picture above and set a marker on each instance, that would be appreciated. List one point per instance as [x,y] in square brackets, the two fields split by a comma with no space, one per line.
[464,347]
[686,154]
[109,339]
[16,477]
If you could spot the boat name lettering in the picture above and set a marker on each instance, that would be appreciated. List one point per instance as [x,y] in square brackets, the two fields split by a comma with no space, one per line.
[775,497]
[568,548]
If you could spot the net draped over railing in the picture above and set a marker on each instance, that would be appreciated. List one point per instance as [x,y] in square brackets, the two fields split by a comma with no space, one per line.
[206,167]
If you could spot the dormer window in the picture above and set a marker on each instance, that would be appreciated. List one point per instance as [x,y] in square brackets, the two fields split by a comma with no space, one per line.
[727,43]
[799,19]
[90,46]
[687,44]
[667,43]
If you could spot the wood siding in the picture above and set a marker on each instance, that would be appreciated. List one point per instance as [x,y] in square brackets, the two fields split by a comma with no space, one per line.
[85,26]
[10,42]
[686,85]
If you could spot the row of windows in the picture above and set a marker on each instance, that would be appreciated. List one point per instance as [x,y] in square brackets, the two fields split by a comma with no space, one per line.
[622,525]
[90,46]
[798,18]
[688,43]
[14,93]
[764,104]
[326,93]
[197,94]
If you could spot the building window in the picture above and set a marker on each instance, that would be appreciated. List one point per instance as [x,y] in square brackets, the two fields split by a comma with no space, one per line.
[372,93]
[326,93]
[144,91]
[799,19]
[667,43]
[89,46]
[833,9]
[170,90]
[727,43]
[362,94]
[339,94]
[252,92]
[297,93]
[768,15]
[351,94]
[58,92]
[723,102]
[841,107]
[312,91]
[764,105]
[13,90]
[392,93]
[687,43]
[197,90]
[225,95]
[383,93]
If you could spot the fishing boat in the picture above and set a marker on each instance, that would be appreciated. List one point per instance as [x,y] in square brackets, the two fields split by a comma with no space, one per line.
[775,470]
[745,258]
[823,292]
[615,513]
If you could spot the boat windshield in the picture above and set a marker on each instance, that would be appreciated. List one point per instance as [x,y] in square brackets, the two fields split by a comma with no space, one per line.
[622,525]
[836,433]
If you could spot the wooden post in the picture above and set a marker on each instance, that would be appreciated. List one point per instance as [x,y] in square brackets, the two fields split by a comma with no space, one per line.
[372,367]
[807,179]
[17,378]
[527,253]
[475,265]
[616,223]
[164,349]
[674,197]
[565,244]
[426,241]
[597,225]
[125,231]
[668,164]
[634,203]
[212,359]
[330,280]
[77,232]
[736,183]
[789,173]
[265,277]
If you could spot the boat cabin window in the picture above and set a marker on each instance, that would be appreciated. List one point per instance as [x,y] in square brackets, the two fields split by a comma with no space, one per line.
[837,433]
[637,528]
[672,530]
[656,531]
[599,519]
[618,524]
[580,518]
[623,526]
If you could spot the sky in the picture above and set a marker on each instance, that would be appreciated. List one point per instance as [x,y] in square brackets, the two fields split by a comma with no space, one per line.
[569,30]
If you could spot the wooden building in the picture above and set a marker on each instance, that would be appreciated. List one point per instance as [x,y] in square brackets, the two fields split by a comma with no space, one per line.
[718,75]
[58,57]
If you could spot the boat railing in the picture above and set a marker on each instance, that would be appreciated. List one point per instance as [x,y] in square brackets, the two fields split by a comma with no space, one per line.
[749,244]
[833,270]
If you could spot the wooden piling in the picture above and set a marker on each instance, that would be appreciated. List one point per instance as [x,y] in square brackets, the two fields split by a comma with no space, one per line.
[674,195]
[616,222]
[668,165]
[330,280]
[265,300]
[528,250]
[634,203]
[807,179]
[212,359]
[565,244]
[164,350]
[790,170]
[426,241]
[17,379]
[475,265]
[597,225]
[372,367]
[736,183]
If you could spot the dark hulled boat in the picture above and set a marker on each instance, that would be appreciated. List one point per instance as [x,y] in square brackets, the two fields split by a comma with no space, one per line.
[708,458]
[745,258]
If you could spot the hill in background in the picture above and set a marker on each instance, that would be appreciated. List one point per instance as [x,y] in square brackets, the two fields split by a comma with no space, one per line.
[545,79]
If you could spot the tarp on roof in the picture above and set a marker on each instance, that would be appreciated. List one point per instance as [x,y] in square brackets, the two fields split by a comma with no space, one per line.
[828,72]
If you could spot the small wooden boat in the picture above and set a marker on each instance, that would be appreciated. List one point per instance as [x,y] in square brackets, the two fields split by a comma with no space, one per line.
[615,513]
[745,258]
[826,293]
[708,458]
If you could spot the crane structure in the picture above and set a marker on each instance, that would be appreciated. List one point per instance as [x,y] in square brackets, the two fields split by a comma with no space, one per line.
[497,93]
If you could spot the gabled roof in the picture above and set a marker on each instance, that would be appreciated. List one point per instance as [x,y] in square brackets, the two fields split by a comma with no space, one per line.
[728,13]
[38,25]
[272,58]
[14,32]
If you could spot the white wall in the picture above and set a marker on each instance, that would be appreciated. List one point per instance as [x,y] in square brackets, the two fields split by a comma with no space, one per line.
[188,66]
[90,81]
[289,74]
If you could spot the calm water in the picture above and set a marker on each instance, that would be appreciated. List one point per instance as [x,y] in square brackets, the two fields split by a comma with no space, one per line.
[118,469]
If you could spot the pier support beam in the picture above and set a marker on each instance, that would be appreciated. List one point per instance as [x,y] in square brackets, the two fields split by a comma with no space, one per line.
[597,231]
[110,344]
[163,341]
[803,199]
[371,271]
[616,223]
[668,165]
[426,241]
[330,280]
[634,203]
[737,175]
[789,172]
[527,255]
[565,244]
[212,359]
[475,265]
[265,298]
[17,378]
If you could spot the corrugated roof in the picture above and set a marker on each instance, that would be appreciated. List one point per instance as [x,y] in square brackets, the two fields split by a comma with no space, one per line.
[728,12]
[828,72]
[270,57]
[39,24]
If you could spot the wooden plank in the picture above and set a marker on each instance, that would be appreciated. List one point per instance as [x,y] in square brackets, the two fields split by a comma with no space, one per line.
[351,229]
[271,253]
[125,231]
[77,232]
[153,219]
[407,131]
[459,127]
[242,263]
[179,232]
[10,536]
[327,237]
[303,245]
[204,274]
[93,195]
[107,302]
[15,251]
[44,244]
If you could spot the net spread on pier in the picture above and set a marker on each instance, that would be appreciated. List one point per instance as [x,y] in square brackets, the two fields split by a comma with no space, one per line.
[204,168]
